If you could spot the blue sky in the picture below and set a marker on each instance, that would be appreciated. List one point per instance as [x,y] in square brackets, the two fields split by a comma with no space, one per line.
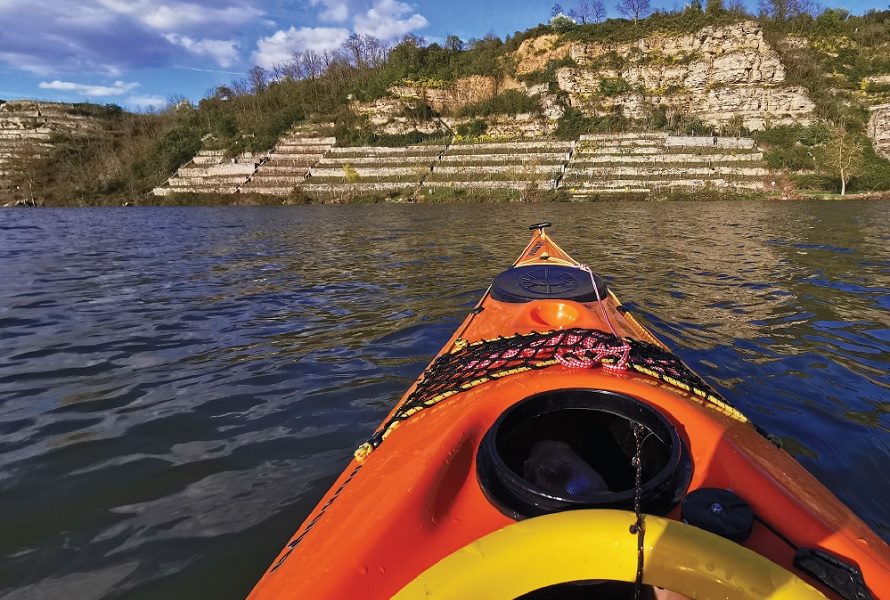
[144,53]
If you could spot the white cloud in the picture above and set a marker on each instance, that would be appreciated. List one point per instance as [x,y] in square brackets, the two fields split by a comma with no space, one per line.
[224,52]
[335,11]
[182,16]
[279,47]
[119,88]
[143,102]
[389,20]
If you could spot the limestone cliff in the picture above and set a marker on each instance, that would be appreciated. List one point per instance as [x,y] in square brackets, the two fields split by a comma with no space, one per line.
[879,129]
[717,74]
[28,131]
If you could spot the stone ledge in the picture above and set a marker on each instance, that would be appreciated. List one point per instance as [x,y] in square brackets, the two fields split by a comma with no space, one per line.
[355,187]
[548,157]
[517,170]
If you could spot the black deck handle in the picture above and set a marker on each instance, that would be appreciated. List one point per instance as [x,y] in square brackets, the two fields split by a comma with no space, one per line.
[541,225]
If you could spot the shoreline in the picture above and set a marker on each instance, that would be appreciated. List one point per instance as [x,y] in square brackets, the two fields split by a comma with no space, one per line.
[459,197]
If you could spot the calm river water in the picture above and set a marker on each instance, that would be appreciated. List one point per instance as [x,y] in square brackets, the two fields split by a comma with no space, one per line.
[179,386]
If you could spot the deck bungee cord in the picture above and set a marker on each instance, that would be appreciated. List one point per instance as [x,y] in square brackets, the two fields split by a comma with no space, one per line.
[472,364]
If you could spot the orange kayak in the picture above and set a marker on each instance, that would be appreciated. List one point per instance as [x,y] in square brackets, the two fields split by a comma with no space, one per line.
[554,448]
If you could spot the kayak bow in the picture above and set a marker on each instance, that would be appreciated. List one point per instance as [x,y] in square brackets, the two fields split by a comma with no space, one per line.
[555,448]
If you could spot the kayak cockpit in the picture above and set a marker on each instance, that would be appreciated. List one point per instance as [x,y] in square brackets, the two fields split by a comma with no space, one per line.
[580,448]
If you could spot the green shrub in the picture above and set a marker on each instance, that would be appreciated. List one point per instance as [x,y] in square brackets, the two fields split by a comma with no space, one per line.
[784,135]
[573,124]
[814,181]
[795,158]
[688,125]
[793,147]
[613,86]
[511,102]
[874,175]
[561,23]
[88,109]
[472,129]
[359,137]
[418,110]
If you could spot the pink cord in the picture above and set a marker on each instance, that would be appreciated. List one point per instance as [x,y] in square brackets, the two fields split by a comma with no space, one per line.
[624,348]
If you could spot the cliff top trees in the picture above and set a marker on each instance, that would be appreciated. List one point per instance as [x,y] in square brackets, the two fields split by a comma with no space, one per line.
[634,9]
[589,11]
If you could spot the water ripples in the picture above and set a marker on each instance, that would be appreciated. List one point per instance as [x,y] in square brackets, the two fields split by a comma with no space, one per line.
[178,387]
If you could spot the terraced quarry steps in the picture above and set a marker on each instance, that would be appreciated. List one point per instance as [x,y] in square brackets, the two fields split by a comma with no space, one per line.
[210,172]
[596,164]
[288,164]
[276,172]
[658,162]
[501,165]
[372,169]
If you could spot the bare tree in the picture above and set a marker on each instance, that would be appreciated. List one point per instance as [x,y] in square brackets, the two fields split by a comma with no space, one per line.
[582,12]
[354,50]
[636,9]
[598,8]
[780,10]
[843,156]
[175,101]
[810,7]
[288,70]
[312,64]
[736,8]
[589,11]
[376,52]
[258,79]
[364,51]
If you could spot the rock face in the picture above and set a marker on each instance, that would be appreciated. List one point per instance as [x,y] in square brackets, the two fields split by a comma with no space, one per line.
[388,115]
[717,73]
[464,91]
[879,129]
[27,132]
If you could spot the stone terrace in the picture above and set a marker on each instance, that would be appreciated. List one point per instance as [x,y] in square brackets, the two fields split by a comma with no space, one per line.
[657,162]
[210,172]
[372,169]
[276,172]
[501,165]
[597,164]
[288,164]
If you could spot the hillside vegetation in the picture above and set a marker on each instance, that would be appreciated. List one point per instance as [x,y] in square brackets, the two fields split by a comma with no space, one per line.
[843,62]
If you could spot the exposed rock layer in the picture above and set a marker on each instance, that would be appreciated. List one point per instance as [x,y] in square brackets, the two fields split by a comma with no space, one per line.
[27,132]
[718,74]
[879,129]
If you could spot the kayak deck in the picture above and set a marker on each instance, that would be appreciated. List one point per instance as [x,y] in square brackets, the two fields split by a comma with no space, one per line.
[550,362]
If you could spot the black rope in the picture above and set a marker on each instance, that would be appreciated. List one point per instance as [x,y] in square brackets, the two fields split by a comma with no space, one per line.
[639,526]
[294,543]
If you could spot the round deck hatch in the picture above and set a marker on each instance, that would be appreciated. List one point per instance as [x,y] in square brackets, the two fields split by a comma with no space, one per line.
[541,282]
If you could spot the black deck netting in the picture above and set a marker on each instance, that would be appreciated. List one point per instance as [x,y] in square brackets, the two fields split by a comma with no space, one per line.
[472,364]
